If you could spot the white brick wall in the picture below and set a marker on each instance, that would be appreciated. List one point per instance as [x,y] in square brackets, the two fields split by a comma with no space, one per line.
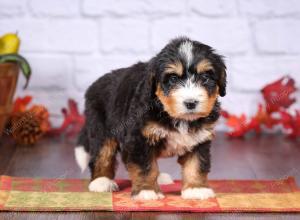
[70,43]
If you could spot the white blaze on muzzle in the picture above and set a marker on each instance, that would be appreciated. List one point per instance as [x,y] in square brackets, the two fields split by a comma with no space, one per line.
[188,91]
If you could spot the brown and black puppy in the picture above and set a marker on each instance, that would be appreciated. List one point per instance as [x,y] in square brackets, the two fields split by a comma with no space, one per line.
[161,108]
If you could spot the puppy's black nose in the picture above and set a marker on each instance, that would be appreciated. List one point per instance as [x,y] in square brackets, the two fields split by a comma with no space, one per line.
[190,104]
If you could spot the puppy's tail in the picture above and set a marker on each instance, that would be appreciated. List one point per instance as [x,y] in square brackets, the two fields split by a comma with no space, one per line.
[82,156]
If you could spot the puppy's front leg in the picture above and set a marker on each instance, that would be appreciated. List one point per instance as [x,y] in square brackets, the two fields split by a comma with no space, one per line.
[144,181]
[195,167]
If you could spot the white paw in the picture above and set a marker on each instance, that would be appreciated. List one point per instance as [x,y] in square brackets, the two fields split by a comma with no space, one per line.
[164,179]
[197,193]
[148,195]
[103,184]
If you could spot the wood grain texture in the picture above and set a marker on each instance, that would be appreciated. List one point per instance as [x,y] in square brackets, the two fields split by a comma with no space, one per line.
[265,157]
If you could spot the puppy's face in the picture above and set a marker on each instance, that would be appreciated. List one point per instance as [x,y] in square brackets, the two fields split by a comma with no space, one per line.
[190,77]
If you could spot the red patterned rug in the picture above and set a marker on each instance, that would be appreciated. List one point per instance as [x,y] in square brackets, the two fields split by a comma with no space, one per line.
[28,194]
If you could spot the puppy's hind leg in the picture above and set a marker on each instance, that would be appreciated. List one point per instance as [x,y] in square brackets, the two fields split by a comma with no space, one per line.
[103,168]
[102,149]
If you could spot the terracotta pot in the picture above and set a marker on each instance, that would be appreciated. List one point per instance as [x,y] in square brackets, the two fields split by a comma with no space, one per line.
[8,80]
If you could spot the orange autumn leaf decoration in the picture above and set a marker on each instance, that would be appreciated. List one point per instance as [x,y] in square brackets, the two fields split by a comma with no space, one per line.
[291,123]
[277,99]
[262,117]
[20,105]
[277,94]
[73,120]
[236,123]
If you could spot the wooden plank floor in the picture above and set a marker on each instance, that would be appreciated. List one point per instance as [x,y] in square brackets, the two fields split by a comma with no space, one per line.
[266,157]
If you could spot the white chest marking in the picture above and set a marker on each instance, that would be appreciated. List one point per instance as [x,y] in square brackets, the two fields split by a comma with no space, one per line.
[182,141]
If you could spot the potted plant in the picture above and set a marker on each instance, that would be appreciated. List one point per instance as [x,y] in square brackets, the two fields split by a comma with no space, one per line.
[10,63]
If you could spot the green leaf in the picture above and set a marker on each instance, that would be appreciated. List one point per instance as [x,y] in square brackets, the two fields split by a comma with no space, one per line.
[21,61]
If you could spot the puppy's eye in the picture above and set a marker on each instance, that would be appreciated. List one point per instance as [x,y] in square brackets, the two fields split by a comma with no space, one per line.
[207,79]
[173,78]
[209,72]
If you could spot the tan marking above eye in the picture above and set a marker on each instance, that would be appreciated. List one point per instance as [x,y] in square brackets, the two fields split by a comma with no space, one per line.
[203,66]
[176,68]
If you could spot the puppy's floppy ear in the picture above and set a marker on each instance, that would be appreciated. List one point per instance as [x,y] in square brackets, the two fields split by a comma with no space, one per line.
[152,76]
[222,82]
[152,82]
[221,70]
